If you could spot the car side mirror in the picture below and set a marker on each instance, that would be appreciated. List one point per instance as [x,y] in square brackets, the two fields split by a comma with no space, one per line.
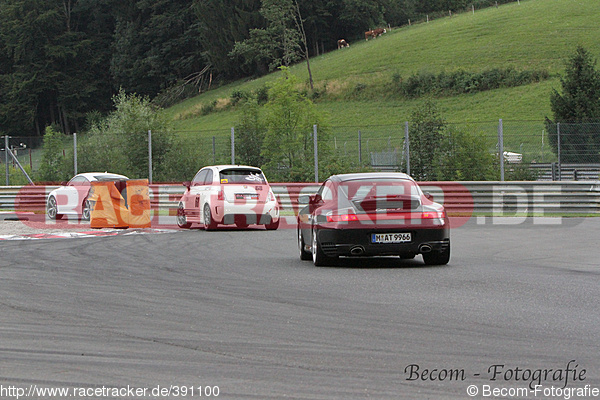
[304,199]
[187,184]
[428,196]
[310,199]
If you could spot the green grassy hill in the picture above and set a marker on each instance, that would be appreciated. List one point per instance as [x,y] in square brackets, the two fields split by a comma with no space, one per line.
[532,35]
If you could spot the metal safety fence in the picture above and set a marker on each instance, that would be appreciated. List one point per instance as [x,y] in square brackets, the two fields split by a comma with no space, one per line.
[461,199]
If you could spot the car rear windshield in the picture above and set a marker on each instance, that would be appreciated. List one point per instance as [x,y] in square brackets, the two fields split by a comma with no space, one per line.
[378,193]
[249,176]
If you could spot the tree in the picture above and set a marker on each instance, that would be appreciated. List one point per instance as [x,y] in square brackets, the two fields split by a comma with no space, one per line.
[121,139]
[426,134]
[54,66]
[464,156]
[250,134]
[221,24]
[53,166]
[156,44]
[282,42]
[439,152]
[288,142]
[576,109]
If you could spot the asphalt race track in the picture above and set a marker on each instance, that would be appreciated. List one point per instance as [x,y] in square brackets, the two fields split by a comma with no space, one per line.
[238,312]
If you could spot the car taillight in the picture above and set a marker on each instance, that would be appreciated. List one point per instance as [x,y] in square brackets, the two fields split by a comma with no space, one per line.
[342,217]
[271,196]
[433,214]
[221,195]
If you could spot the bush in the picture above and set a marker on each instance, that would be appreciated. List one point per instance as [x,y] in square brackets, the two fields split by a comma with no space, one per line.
[208,108]
[119,142]
[439,152]
[17,178]
[262,95]
[426,133]
[465,157]
[460,82]
[250,133]
[54,166]
[288,144]
[184,158]
[239,96]
[519,172]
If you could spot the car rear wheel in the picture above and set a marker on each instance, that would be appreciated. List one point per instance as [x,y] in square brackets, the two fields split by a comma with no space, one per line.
[437,258]
[181,218]
[319,258]
[209,222]
[304,255]
[52,209]
[272,226]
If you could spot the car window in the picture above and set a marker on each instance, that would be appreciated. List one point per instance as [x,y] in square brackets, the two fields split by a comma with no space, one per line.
[326,191]
[107,178]
[380,188]
[200,177]
[209,178]
[76,181]
[242,175]
[382,194]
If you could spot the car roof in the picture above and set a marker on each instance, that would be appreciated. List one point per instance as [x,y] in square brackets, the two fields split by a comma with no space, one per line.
[229,166]
[371,175]
[93,176]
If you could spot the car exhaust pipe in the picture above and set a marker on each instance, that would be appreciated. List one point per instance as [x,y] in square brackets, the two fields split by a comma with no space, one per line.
[425,248]
[357,250]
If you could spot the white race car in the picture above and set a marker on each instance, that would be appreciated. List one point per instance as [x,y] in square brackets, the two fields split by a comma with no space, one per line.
[72,198]
[228,194]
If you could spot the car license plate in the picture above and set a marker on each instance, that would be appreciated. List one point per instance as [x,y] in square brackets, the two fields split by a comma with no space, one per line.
[240,196]
[391,237]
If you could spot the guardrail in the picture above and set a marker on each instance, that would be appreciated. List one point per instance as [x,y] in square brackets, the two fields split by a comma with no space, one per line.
[567,172]
[459,198]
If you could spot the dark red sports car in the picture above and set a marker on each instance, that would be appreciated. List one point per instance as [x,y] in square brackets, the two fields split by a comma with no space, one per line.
[372,214]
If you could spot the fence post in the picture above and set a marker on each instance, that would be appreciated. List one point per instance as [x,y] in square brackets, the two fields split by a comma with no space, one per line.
[359,149]
[232,146]
[6,159]
[214,151]
[149,156]
[316,148]
[75,153]
[558,151]
[501,148]
[407,146]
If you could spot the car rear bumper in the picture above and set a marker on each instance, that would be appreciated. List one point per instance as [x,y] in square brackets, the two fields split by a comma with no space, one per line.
[357,242]
[248,219]
[260,214]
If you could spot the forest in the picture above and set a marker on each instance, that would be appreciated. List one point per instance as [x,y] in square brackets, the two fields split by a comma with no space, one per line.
[62,61]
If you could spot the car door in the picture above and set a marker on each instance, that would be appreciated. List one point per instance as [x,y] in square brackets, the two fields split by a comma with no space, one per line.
[205,193]
[193,197]
[83,190]
[67,198]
